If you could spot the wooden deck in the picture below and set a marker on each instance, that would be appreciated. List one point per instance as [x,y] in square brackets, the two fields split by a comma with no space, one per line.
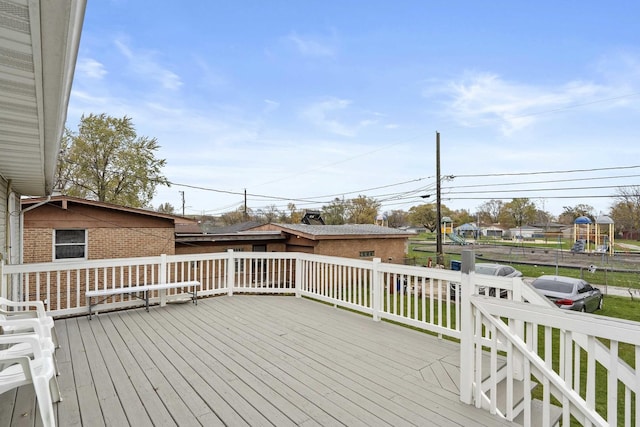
[249,360]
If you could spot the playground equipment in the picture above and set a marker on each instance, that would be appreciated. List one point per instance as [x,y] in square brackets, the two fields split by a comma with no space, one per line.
[446,227]
[604,242]
[381,219]
[456,239]
[587,236]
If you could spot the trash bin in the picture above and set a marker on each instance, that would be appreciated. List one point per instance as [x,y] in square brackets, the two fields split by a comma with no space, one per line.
[456,265]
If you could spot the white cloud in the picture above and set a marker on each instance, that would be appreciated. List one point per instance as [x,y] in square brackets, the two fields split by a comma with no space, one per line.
[486,99]
[310,46]
[91,68]
[270,106]
[319,115]
[144,64]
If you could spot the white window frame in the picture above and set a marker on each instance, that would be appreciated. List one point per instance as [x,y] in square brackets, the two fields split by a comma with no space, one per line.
[55,245]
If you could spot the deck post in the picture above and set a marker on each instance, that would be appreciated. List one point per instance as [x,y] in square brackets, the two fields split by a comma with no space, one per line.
[466,328]
[4,291]
[231,272]
[162,279]
[376,286]
[517,327]
[298,277]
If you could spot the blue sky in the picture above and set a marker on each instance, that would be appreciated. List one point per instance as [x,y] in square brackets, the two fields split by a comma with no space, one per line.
[306,101]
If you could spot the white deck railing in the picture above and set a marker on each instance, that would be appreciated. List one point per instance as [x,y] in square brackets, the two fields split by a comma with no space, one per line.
[526,342]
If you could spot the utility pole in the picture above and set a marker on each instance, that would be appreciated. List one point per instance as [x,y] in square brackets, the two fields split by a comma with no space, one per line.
[245,204]
[182,193]
[439,254]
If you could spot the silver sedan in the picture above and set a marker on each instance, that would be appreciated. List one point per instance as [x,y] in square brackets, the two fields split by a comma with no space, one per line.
[569,293]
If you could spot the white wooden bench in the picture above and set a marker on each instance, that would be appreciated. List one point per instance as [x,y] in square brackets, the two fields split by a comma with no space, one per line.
[103,294]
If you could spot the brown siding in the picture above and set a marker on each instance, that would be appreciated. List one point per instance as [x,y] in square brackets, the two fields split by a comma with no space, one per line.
[86,217]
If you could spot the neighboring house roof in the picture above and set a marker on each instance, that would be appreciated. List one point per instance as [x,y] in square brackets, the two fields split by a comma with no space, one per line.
[242,236]
[347,231]
[494,227]
[551,225]
[234,228]
[235,232]
[63,201]
[39,43]
[467,227]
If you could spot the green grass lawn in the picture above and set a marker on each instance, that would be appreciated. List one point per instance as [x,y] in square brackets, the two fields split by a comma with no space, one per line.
[625,277]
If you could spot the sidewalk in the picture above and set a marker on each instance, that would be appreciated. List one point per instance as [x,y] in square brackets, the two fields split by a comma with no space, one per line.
[619,292]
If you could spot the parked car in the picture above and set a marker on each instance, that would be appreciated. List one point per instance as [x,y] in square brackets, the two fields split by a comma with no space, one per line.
[489,269]
[569,293]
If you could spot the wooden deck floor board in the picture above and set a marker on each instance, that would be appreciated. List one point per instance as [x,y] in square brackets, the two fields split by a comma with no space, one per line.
[282,366]
[155,393]
[235,353]
[312,348]
[158,351]
[334,326]
[70,416]
[85,392]
[345,379]
[112,410]
[126,345]
[224,386]
[127,396]
[262,397]
[317,381]
[250,360]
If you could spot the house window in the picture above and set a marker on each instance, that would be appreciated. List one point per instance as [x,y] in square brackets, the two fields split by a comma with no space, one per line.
[367,254]
[69,244]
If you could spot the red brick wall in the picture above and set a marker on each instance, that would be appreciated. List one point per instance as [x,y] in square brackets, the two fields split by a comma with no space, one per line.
[389,250]
[111,233]
[104,243]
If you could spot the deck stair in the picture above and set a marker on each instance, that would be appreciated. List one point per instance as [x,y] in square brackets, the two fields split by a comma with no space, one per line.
[518,401]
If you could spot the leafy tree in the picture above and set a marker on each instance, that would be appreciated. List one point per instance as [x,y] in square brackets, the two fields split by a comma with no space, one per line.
[106,160]
[397,218]
[269,214]
[335,213]
[459,217]
[518,212]
[166,208]
[625,212]
[362,210]
[424,215]
[236,217]
[489,212]
[295,216]
[570,213]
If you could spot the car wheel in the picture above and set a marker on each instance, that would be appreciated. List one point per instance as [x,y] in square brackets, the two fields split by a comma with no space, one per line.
[583,309]
[600,303]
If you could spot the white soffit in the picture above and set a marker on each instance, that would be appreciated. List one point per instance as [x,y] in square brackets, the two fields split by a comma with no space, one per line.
[39,42]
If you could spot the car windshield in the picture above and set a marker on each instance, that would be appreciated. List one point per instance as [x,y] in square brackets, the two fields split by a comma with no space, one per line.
[552,285]
[480,269]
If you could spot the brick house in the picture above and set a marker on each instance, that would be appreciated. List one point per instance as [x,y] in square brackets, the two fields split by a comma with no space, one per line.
[359,241]
[190,239]
[66,228]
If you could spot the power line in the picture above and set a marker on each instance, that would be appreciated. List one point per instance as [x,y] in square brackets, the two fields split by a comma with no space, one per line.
[546,172]
[501,184]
